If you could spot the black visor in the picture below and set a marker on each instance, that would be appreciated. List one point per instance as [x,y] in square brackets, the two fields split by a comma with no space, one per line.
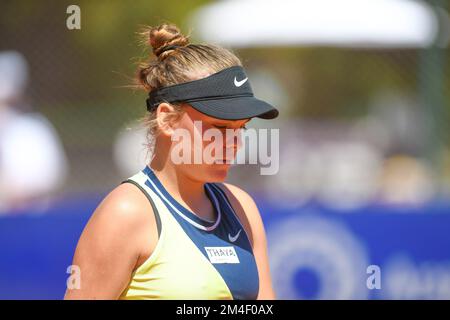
[226,95]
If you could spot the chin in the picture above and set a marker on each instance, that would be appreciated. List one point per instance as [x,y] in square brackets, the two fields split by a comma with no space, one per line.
[219,172]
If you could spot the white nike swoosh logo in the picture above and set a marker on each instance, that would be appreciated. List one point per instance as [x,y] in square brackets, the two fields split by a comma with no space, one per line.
[233,239]
[239,83]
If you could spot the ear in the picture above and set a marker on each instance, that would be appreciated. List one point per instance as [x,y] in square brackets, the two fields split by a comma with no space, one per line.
[164,117]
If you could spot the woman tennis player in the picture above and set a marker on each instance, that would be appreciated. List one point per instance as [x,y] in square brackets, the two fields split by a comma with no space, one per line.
[176,230]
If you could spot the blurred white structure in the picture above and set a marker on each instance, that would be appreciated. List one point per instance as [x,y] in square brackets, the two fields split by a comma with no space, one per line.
[130,149]
[32,160]
[347,23]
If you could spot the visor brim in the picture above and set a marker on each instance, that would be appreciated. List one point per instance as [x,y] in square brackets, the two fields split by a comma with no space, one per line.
[237,108]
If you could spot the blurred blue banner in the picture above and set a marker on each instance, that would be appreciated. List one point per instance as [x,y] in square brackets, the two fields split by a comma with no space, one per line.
[315,252]
[318,253]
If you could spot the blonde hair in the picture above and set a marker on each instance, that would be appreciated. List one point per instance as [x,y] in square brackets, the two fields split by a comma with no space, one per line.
[176,65]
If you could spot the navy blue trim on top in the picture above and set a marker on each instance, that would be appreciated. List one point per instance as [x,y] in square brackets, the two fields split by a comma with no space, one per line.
[155,210]
[241,278]
[188,213]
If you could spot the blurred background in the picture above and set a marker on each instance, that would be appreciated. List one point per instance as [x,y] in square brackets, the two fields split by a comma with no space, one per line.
[364,165]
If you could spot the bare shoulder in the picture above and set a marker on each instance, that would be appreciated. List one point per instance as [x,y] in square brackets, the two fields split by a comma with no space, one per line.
[122,221]
[125,204]
[245,208]
[127,198]
[237,192]
[112,243]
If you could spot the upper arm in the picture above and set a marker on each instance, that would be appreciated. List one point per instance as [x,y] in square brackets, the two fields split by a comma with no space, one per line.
[247,211]
[108,248]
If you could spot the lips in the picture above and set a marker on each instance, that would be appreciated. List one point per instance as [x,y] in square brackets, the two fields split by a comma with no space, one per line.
[223,161]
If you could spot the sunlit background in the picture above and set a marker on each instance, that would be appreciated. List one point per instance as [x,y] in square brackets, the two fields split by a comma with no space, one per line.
[363,89]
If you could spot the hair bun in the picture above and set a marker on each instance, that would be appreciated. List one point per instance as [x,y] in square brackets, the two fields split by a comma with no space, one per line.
[165,35]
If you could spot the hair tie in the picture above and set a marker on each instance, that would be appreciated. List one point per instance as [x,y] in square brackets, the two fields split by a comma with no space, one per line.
[170,47]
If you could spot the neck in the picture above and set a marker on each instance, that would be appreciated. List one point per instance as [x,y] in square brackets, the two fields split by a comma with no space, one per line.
[187,191]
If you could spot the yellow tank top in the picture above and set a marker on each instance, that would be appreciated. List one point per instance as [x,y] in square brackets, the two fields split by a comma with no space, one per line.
[194,258]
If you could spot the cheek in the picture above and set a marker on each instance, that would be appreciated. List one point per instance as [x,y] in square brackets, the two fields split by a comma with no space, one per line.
[207,141]
[226,139]
[233,140]
[184,122]
[187,129]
